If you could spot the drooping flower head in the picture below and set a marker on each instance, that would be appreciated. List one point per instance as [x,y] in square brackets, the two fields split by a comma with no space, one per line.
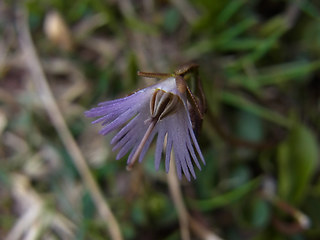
[161,110]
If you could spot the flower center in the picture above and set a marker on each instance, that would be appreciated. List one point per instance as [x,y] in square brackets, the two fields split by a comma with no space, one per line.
[162,104]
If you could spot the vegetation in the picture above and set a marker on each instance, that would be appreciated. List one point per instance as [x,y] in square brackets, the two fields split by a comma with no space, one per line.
[260,70]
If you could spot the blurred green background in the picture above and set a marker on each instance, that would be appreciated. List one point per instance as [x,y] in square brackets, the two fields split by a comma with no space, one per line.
[260,68]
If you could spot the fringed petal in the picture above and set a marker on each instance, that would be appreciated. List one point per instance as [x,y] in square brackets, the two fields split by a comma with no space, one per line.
[131,116]
[181,137]
[125,130]
[159,147]
[168,152]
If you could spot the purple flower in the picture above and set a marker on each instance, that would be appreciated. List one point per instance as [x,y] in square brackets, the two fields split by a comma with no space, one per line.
[160,109]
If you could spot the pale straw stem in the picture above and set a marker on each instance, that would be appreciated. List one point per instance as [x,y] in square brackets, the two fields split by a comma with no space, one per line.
[176,194]
[60,125]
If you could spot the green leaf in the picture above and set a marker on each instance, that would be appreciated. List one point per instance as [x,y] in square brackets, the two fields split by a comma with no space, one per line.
[226,198]
[229,10]
[260,213]
[244,104]
[279,73]
[284,176]
[304,160]
[298,160]
[256,212]
[171,20]
[249,126]
[221,40]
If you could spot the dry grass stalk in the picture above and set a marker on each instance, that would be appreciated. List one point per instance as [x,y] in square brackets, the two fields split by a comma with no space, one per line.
[59,123]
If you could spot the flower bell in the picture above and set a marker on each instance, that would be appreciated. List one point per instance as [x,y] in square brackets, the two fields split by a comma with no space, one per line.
[162,109]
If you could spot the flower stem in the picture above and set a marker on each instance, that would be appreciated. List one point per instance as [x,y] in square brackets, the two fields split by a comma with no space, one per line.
[153,75]
[176,194]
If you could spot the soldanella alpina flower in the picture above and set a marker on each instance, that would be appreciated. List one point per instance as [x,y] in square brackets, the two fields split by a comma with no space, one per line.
[166,110]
